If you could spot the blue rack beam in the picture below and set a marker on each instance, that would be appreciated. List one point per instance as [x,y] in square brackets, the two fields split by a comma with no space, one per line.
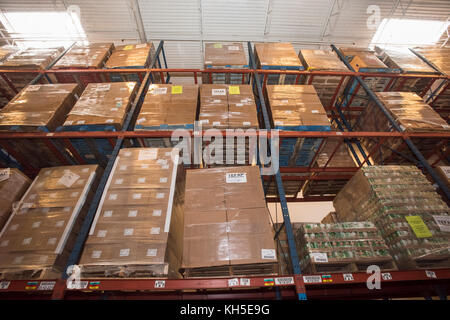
[442,185]
[284,208]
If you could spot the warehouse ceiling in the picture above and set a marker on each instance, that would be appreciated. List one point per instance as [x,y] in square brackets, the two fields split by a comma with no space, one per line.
[188,23]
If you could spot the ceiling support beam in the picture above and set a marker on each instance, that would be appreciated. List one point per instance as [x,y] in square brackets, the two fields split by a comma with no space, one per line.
[138,18]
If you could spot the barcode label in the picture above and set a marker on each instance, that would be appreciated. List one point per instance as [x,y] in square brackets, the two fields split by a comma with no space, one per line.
[147,154]
[348,277]
[236,178]
[47,285]
[431,274]
[386,276]
[160,284]
[219,92]
[319,257]
[103,87]
[4,285]
[284,281]
[233,48]
[233,282]
[312,279]
[77,285]
[4,174]
[68,179]
[158,91]
[268,253]
[443,222]
[245,282]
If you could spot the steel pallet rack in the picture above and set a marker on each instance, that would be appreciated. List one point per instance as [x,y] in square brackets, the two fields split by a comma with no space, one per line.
[298,285]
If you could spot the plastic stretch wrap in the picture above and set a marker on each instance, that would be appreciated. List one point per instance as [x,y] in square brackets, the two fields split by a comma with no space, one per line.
[13,185]
[32,58]
[321,60]
[139,220]
[103,103]
[404,206]
[406,61]
[341,242]
[168,105]
[440,57]
[92,55]
[132,55]
[42,229]
[225,55]
[276,54]
[229,226]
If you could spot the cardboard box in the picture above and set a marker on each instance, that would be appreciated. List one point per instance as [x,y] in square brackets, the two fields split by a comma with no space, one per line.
[276,55]
[168,106]
[231,226]
[405,61]
[32,58]
[225,56]
[139,221]
[321,60]
[92,55]
[13,185]
[363,58]
[40,234]
[131,55]
[102,104]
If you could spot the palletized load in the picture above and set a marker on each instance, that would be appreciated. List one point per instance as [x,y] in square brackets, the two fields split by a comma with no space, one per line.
[101,107]
[342,247]
[227,229]
[404,206]
[131,56]
[13,185]
[225,56]
[43,108]
[440,58]
[363,60]
[412,114]
[29,59]
[83,56]
[325,85]
[39,236]
[277,56]
[297,108]
[229,107]
[138,228]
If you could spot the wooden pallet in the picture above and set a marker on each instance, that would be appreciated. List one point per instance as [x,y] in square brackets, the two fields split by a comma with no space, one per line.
[125,271]
[356,266]
[256,269]
[31,274]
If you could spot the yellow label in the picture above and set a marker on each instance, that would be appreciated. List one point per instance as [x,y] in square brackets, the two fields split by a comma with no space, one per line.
[129,47]
[233,90]
[419,227]
[217,45]
[177,89]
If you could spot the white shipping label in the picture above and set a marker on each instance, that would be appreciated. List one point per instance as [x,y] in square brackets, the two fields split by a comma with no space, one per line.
[160,283]
[233,48]
[119,181]
[77,284]
[431,274]
[4,174]
[74,194]
[162,180]
[108,213]
[4,285]
[152,252]
[443,222]
[239,104]
[156,213]
[139,46]
[52,241]
[160,196]
[312,279]
[81,122]
[36,224]
[319,257]
[124,252]
[101,233]
[279,123]
[141,180]
[218,92]
[68,179]
[96,254]
[123,167]
[246,123]
[128,232]
[132,213]
[268,253]
[284,281]
[137,196]
[149,154]
[33,88]
[113,196]
[216,123]
[236,178]
[244,282]
[26,241]
[155,230]
[158,91]
[103,87]
[446,170]
[314,111]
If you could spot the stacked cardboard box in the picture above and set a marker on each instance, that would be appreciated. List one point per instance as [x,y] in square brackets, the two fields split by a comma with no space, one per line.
[13,185]
[39,236]
[134,56]
[348,246]
[92,55]
[297,108]
[326,86]
[440,58]
[283,253]
[412,114]
[101,107]
[29,59]
[6,92]
[364,60]
[334,154]
[230,107]
[444,173]
[225,56]
[228,232]
[405,208]
[277,56]
[38,108]
[138,227]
